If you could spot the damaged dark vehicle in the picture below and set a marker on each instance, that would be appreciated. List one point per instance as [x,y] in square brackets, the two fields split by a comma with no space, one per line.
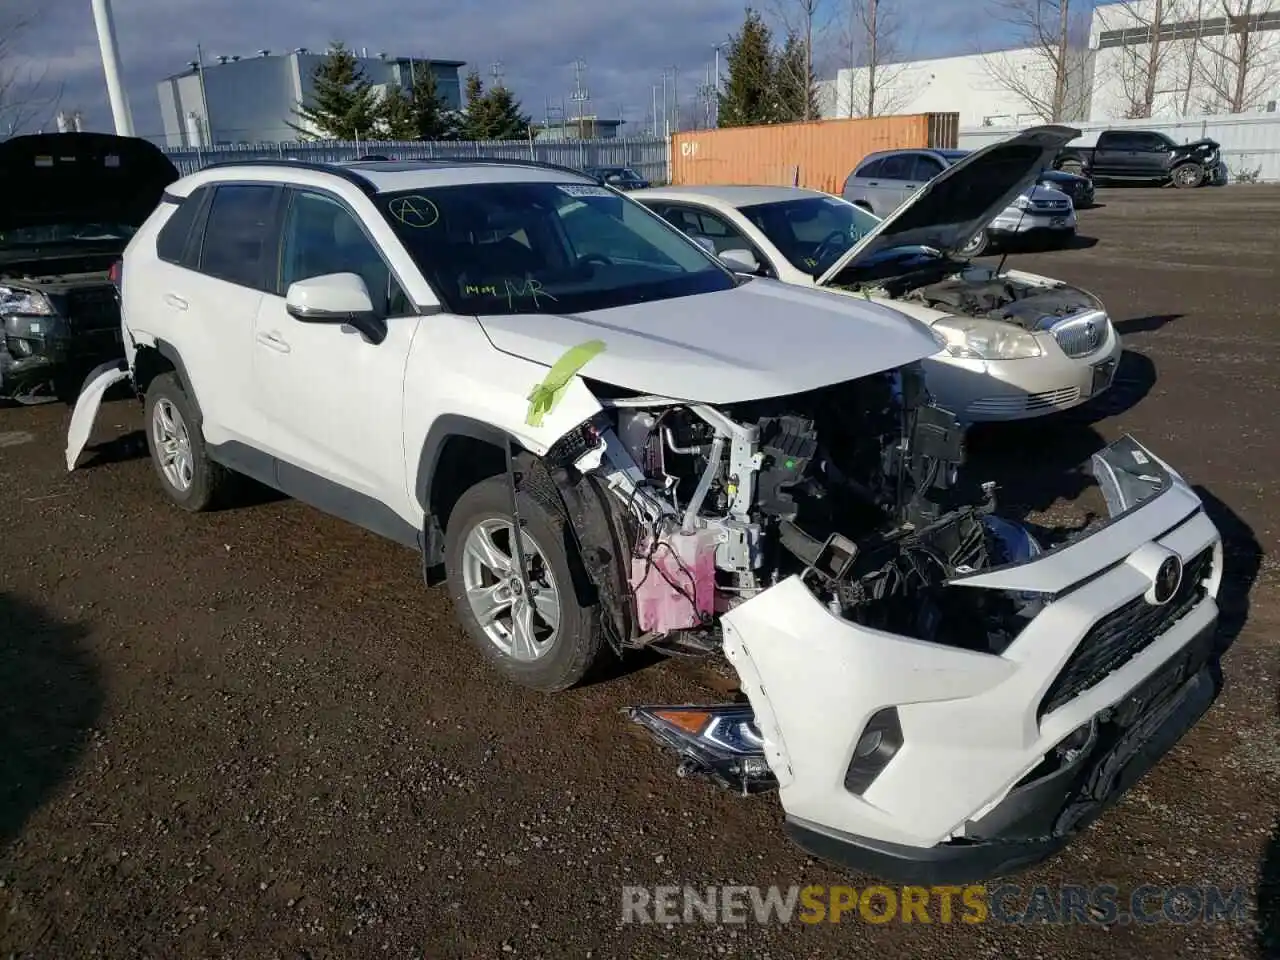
[72,201]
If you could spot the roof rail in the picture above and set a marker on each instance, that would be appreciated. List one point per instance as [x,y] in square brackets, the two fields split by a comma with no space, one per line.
[345,173]
[352,174]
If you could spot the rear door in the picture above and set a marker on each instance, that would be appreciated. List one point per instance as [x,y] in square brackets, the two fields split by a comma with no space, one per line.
[894,184]
[203,298]
[865,185]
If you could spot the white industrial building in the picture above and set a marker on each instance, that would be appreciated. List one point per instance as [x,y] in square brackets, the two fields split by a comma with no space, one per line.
[1197,49]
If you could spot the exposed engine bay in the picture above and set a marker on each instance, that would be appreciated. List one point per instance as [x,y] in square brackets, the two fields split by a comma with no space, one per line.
[981,292]
[852,487]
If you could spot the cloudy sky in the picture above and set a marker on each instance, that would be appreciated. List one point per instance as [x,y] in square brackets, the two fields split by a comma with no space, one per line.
[625,43]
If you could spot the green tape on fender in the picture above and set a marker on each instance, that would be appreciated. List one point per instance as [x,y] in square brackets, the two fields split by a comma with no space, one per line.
[545,396]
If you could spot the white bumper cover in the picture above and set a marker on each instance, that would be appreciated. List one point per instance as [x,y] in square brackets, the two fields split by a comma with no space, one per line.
[972,724]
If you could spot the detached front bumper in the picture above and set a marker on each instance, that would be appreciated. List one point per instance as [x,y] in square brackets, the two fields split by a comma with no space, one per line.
[1041,815]
[996,760]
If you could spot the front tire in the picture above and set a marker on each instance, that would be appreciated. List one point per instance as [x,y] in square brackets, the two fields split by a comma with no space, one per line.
[547,641]
[1188,176]
[977,246]
[187,476]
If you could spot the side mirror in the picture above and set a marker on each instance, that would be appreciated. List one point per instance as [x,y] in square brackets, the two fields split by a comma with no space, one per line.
[613,178]
[340,298]
[740,261]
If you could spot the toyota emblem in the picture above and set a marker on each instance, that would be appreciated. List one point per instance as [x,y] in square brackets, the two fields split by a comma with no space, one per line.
[1167,581]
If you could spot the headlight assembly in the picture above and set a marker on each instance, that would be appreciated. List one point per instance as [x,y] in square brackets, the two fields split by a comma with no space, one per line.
[973,339]
[1022,203]
[24,302]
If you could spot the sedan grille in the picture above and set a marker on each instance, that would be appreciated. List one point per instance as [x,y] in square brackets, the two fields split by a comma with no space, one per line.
[1124,633]
[93,308]
[1081,335]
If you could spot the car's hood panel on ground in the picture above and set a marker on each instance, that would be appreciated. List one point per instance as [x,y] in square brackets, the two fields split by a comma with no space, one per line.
[947,211]
[761,339]
[56,178]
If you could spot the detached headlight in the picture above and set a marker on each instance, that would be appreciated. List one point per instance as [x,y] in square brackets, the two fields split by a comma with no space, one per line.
[986,339]
[25,302]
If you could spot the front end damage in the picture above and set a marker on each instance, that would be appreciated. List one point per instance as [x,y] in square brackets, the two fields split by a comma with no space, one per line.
[934,693]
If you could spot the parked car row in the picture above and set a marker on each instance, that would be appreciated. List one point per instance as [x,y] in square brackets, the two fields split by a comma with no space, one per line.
[603,435]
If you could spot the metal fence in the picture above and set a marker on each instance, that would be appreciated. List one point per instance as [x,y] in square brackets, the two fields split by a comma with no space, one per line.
[1250,142]
[646,155]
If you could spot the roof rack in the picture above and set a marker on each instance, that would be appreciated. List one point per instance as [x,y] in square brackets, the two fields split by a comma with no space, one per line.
[352,174]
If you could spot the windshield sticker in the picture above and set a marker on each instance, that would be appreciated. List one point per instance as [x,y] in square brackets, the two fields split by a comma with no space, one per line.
[583,190]
[417,212]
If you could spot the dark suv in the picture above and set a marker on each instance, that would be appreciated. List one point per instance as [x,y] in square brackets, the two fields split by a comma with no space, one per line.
[71,203]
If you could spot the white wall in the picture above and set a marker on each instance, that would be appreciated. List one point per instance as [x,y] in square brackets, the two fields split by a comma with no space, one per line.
[1186,66]
[969,86]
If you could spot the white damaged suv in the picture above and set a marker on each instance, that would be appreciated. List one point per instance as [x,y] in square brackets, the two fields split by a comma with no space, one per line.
[446,353]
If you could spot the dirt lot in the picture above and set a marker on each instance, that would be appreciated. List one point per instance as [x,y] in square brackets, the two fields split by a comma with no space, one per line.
[255,734]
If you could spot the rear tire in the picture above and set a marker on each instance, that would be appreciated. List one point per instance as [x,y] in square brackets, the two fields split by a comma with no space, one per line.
[1188,175]
[519,636]
[174,438]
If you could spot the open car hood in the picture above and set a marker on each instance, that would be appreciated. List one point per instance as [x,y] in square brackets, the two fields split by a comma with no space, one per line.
[760,339]
[53,178]
[946,212]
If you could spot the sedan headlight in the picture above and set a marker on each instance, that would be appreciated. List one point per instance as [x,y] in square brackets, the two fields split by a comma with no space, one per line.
[986,339]
[26,302]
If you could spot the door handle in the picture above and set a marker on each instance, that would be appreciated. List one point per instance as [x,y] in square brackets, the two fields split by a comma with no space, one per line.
[873,183]
[911,186]
[274,341]
[175,301]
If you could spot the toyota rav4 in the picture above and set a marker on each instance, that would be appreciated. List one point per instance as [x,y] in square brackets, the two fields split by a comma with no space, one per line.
[602,439]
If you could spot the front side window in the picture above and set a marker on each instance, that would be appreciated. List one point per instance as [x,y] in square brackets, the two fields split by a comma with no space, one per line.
[814,232]
[322,237]
[237,234]
[897,167]
[497,248]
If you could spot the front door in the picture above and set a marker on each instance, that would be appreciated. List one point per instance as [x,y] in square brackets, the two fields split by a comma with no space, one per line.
[332,400]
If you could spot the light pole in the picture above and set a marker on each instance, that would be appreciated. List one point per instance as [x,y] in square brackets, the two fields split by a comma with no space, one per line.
[675,93]
[716,84]
[110,52]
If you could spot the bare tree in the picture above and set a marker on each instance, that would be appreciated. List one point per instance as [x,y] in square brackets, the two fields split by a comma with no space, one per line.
[802,19]
[1240,68]
[1056,30]
[25,93]
[1188,52]
[1142,65]
[873,38]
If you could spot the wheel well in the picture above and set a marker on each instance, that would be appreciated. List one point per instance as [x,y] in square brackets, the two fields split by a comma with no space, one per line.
[864,205]
[463,462]
[149,363]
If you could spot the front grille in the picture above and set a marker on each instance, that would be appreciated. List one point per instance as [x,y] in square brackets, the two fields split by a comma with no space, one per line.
[1026,403]
[1051,205]
[1081,336]
[1121,635]
[93,308]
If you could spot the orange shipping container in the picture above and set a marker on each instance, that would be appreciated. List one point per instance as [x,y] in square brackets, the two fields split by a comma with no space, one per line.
[819,154]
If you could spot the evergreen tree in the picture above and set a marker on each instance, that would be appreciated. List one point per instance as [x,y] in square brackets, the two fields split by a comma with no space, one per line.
[492,114]
[432,118]
[343,105]
[749,92]
[398,117]
[505,120]
[796,95]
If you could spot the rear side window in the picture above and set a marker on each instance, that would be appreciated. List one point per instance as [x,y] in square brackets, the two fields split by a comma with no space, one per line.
[926,167]
[897,167]
[173,238]
[239,235]
[1118,141]
[871,169]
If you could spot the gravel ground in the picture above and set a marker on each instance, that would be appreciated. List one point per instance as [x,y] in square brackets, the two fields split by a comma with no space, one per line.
[256,734]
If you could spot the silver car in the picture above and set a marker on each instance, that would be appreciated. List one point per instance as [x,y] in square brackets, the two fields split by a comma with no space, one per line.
[883,181]
[1014,345]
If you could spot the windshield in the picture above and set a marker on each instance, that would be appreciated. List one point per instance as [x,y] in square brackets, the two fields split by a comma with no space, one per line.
[498,248]
[65,233]
[812,233]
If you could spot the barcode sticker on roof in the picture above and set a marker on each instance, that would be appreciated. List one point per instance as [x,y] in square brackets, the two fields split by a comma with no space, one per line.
[584,190]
